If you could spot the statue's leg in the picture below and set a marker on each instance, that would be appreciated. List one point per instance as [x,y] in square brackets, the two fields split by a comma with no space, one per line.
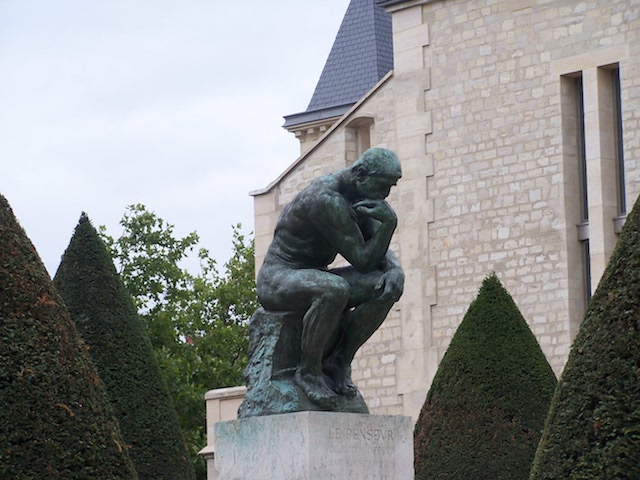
[323,296]
[357,324]
[319,322]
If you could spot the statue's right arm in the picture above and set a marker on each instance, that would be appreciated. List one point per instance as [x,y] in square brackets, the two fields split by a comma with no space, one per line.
[334,217]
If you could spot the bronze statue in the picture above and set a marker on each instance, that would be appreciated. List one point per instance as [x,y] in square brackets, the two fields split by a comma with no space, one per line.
[339,309]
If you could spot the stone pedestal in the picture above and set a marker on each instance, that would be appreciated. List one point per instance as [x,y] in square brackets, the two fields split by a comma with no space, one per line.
[315,446]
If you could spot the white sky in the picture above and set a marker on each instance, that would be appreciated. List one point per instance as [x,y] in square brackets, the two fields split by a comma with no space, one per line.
[177,105]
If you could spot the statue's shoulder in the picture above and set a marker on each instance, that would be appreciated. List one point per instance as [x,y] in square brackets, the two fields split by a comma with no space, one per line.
[325,199]
[320,189]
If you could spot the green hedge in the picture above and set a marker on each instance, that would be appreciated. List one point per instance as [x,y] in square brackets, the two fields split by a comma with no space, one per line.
[120,347]
[486,406]
[593,429]
[55,420]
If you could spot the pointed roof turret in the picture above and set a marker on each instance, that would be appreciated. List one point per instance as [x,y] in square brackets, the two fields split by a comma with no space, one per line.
[361,55]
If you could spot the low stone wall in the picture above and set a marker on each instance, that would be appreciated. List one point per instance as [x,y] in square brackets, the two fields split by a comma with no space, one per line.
[222,405]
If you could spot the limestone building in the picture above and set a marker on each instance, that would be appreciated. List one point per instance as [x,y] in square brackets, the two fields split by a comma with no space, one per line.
[517,124]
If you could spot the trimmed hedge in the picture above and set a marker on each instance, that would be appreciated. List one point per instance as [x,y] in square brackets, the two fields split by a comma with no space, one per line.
[120,347]
[593,429]
[55,420]
[488,401]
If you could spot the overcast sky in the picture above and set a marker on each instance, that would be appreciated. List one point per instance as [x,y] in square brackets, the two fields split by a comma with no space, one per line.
[177,105]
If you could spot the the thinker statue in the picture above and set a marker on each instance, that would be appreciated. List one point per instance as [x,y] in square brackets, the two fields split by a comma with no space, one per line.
[331,312]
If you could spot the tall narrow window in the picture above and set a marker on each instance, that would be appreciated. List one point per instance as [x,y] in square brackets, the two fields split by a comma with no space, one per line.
[581,150]
[619,148]
[583,228]
[574,156]
[358,138]
[586,272]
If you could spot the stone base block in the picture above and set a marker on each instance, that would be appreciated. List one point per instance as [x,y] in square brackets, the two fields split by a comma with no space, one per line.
[315,446]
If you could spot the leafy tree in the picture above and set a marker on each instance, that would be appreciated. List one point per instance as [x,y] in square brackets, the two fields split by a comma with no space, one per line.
[55,419]
[486,406]
[593,428]
[197,322]
[119,345]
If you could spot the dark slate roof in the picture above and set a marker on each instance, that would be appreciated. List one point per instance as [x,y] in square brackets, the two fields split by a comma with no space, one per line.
[361,55]
[389,3]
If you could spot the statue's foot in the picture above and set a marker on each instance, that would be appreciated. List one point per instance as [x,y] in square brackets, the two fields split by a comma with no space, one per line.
[341,378]
[347,388]
[316,390]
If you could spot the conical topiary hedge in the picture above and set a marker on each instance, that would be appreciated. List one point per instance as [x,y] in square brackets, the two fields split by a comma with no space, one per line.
[55,420]
[593,429]
[120,347]
[486,406]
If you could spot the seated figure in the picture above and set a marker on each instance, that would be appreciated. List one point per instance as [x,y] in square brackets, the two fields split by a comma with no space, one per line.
[341,213]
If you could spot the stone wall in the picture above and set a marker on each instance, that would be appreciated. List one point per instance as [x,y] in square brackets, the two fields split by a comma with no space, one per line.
[479,110]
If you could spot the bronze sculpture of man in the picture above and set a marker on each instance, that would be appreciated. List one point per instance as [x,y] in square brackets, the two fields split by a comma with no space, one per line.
[341,213]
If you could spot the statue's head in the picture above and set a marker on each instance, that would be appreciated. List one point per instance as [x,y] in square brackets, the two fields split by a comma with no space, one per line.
[375,172]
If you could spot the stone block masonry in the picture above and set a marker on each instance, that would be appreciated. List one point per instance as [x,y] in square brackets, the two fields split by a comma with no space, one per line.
[479,110]
[315,446]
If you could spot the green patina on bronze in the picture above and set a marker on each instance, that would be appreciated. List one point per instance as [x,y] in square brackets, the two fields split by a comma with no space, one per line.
[314,318]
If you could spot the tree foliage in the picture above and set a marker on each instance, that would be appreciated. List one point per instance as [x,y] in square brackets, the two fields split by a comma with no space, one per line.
[119,346]
[593,429]
[197,322]
[55,419]
[486,406]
